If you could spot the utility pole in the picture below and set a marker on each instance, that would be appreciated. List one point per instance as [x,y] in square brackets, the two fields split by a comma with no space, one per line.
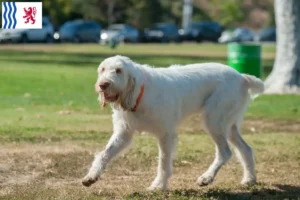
[187,12]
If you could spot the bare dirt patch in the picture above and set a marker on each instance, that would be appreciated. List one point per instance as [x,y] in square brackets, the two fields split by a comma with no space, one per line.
[54,170]
[25,163]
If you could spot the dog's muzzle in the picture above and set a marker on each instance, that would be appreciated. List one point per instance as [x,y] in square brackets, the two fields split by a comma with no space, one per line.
[110,97]
[104,85]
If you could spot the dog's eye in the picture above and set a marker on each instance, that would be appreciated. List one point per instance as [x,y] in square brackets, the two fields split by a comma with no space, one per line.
[102,70]
[118,70]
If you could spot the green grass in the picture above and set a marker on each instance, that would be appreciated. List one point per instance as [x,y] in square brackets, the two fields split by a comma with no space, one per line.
[60,79]
[51,125]
[280,107]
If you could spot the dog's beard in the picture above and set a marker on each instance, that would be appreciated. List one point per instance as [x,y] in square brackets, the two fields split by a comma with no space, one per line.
[101,98]
[105,99]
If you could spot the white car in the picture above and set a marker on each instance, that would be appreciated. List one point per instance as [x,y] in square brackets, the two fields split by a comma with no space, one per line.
[226,36]
[29,35]
[119,33]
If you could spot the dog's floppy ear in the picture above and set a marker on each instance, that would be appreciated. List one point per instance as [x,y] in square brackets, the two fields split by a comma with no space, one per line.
[127,96]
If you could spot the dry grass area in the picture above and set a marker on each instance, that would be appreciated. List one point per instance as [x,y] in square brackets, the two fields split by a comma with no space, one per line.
[53,169]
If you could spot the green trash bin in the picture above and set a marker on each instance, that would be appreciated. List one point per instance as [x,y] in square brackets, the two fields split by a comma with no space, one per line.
[245,58]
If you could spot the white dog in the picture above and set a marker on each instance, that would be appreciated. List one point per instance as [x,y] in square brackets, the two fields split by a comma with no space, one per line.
[156,100]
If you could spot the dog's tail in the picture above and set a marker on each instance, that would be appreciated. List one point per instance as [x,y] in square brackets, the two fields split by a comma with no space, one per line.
[255,85]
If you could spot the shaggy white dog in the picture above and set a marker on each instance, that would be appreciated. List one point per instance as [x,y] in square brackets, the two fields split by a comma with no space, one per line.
[156,100]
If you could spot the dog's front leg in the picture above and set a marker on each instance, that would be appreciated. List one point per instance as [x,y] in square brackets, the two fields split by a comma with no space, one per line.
[117,143]
[166,145]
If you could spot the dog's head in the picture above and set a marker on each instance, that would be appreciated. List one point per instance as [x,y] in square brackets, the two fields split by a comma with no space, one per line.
[116,82]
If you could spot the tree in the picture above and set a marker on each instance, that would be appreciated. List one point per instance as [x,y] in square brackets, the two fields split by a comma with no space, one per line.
[285,76]
[92,9]
[143,13]
[230,13]
[58,10]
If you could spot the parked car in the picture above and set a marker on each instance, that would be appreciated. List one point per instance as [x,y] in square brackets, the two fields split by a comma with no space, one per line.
[79,31]
[120,33]
[226,36]
[162,32]
[202,31]
[242,35]
[45,34]
[266,35]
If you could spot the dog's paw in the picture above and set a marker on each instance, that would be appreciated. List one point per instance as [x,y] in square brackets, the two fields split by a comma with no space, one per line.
[88,180]
[248,181]
[156,185]
[159,184]
[153,188]
[205,180]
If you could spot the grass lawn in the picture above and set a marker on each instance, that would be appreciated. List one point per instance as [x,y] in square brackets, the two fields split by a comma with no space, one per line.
[51,125]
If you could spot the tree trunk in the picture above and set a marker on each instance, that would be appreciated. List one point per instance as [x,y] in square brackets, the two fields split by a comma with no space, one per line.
[285,76]
[110,12]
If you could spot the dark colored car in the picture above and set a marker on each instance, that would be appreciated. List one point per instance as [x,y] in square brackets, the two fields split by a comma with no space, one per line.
[267,35]
[162,32]
[79,31]
[119,33]
[202,31]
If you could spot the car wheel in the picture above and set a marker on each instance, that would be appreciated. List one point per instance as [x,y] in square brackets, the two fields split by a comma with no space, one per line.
[97,39]
[134,40]
[24,39]
[164,40]
[178,40]
[199,39]
[216,40]
[49,39]
[76,39]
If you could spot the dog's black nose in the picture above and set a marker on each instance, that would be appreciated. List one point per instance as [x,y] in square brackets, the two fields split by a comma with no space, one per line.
[104,85]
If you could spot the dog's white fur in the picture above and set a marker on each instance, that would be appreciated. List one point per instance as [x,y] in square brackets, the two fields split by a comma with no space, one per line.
[215,90]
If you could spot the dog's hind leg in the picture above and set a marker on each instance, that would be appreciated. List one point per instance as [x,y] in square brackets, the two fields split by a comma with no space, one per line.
[223,154]
[216,124]
[244,154]
[117,143]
